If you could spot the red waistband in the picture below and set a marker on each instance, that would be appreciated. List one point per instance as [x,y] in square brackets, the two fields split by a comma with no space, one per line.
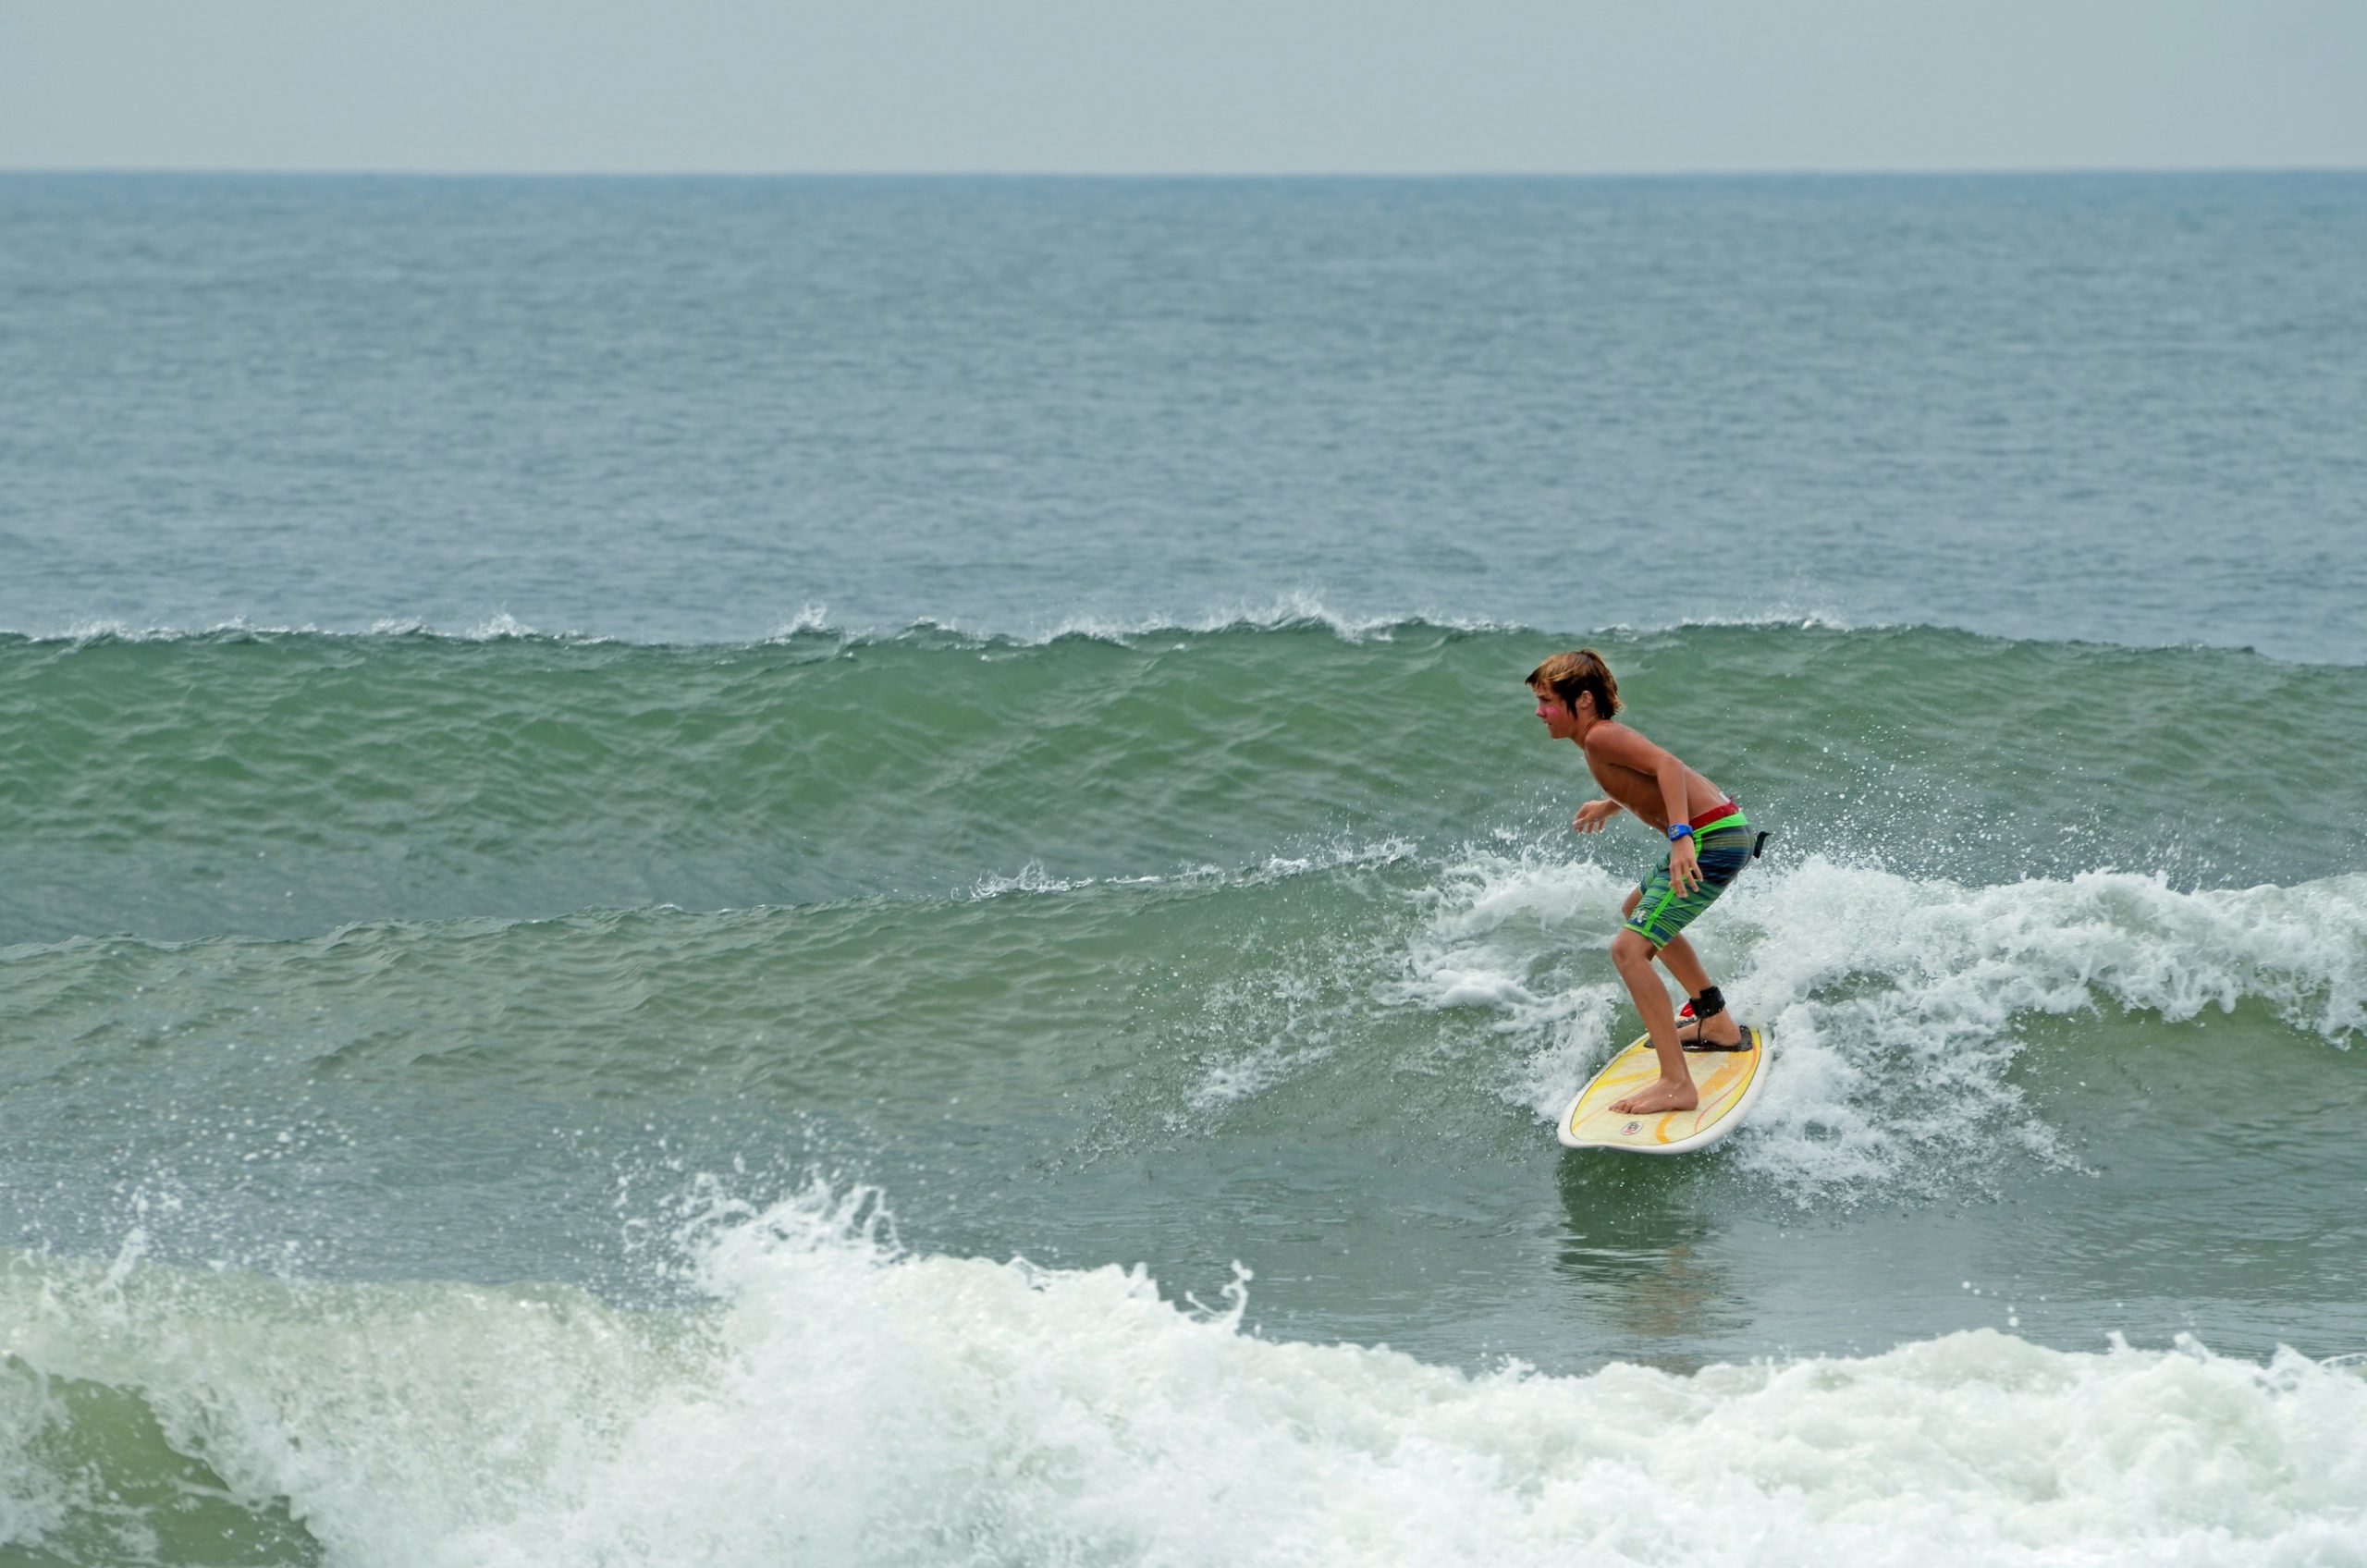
[1713,815]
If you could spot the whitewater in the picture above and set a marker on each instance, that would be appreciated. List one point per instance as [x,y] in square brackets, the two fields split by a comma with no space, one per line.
[833,1398]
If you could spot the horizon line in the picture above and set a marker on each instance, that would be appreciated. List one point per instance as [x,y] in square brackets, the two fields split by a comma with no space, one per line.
[1803,172]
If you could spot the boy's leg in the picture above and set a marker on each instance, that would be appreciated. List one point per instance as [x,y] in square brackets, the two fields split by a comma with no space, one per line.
[1631,953]
[1686,966]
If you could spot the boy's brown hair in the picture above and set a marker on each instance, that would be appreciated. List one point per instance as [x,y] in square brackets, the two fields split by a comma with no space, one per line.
[1567,675]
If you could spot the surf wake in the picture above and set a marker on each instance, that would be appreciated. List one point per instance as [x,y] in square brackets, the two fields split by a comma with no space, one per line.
[1899,1004]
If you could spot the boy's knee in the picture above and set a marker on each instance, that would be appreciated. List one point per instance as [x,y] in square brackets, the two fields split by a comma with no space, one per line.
[1632,950]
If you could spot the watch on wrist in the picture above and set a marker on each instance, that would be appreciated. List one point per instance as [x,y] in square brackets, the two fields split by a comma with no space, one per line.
[1682,830]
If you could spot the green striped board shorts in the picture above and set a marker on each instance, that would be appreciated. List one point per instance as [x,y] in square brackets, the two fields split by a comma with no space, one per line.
[1721,849]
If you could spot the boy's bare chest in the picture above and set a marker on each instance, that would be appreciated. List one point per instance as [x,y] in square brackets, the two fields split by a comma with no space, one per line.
[1638,791]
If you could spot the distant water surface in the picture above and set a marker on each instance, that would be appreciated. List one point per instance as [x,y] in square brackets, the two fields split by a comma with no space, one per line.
[2119,408]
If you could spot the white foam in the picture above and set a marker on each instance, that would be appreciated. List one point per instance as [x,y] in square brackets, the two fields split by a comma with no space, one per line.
[1296,609]
[1289,610]
[501,626]
[811,616]
[1781,617]
[1033,877]
[1896,1001]
[1029,878]
[1293,609]
[1266,1032]
[833,1401]
[112,631]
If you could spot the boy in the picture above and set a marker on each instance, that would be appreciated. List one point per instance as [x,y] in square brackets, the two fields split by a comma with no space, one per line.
[1708,843]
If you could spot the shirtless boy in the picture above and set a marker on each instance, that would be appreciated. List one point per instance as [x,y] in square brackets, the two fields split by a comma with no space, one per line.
[1710,843]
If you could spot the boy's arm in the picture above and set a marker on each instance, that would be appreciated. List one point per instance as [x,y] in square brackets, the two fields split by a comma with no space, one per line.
[1617,743]
[1620,744]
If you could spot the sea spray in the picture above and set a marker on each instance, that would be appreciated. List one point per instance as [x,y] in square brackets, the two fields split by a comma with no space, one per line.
[1896,1001]
[831,1397]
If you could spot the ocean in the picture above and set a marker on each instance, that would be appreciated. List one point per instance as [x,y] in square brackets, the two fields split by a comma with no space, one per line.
[855,872]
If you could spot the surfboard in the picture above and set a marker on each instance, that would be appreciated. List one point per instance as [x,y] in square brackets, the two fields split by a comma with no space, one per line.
[1726,1080]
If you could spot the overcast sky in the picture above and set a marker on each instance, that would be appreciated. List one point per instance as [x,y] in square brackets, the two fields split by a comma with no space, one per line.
[1194,86]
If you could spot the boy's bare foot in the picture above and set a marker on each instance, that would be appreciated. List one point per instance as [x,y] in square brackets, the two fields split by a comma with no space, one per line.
[1664,1095]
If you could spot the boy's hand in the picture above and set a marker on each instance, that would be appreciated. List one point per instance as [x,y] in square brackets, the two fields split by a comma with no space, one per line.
[1593,815]
[1684,866]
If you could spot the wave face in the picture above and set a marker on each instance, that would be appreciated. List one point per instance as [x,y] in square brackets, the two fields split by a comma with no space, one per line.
[2060,1103]
[284,783]
[1294,981]
[397,957]
[826,1396]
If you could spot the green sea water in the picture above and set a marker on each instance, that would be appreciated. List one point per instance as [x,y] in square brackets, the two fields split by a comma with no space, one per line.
[280,784]
[1100,946]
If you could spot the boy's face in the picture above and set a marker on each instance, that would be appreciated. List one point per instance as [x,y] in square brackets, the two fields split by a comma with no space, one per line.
[1560,722]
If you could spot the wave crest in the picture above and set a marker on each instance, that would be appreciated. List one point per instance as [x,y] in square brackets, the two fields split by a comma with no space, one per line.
[1897,1003]
[832,1397]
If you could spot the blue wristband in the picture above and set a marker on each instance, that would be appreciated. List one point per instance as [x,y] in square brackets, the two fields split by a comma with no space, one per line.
[1682,830]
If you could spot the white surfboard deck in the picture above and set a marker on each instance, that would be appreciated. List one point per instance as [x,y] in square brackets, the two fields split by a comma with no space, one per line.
[1726,1080]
